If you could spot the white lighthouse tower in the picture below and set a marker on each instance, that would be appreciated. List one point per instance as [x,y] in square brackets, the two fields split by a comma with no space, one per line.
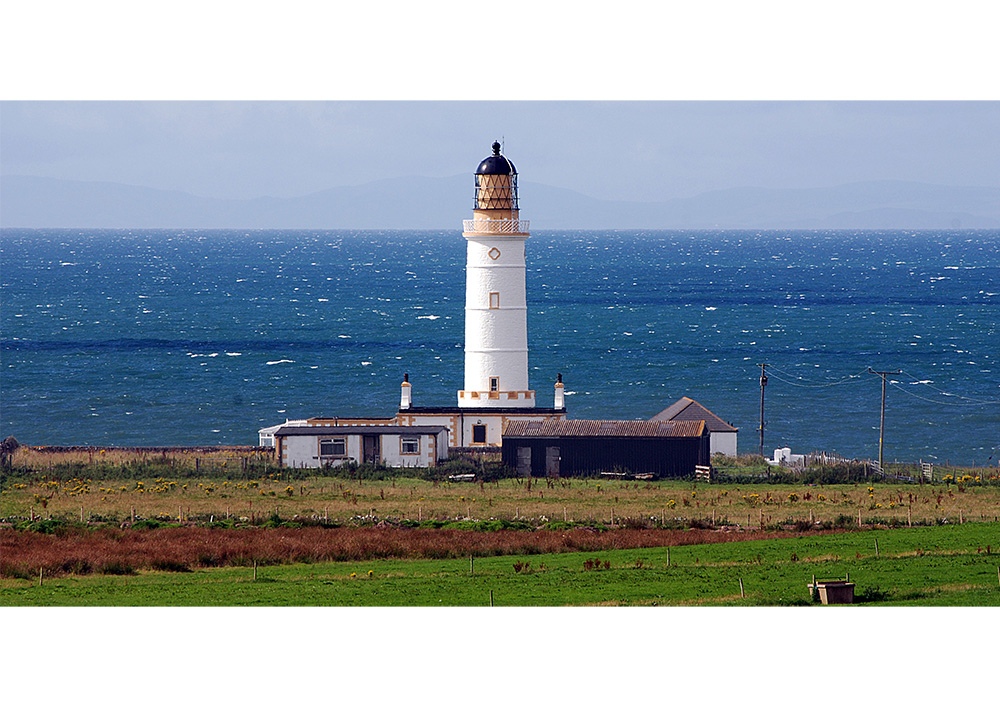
[496,313]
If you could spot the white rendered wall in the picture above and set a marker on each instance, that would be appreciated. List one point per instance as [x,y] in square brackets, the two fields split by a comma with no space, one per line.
[431,449]
[460,426]
[302,451]
[723,443]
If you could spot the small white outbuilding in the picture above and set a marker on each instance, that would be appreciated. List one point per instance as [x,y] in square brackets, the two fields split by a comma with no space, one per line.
[723,435]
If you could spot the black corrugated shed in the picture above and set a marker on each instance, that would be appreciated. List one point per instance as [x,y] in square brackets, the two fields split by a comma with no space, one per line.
[573,447]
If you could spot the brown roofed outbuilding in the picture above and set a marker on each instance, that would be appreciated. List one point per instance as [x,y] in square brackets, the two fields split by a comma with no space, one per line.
[581,447]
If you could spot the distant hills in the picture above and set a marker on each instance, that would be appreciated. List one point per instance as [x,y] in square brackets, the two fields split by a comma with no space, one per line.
[442,203]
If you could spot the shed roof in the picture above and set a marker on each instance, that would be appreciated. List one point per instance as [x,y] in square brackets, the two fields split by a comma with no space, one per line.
[602,428]
[348,430]
[687,409]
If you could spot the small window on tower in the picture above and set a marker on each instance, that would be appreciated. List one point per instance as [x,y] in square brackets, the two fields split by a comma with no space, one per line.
[494,300]
[494,385]
[479,434]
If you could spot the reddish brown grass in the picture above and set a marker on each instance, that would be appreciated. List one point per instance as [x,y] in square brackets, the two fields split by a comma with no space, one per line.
[111,550]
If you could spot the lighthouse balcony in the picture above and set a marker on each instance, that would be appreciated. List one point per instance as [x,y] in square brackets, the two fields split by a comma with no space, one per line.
[496,225]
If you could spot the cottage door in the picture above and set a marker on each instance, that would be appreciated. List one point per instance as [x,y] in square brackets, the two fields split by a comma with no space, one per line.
[552,461]
[371,449]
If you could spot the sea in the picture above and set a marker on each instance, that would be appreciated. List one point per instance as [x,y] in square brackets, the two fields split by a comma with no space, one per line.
[201,337]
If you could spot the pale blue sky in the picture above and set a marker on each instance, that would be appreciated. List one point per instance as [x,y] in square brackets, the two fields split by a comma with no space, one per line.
[808,57]
[640,151]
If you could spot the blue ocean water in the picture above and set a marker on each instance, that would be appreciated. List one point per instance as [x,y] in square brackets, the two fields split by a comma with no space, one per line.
[165,337]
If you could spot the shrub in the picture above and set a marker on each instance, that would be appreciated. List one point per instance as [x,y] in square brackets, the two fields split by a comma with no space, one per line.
[116,567]
[166,565]
[843,521]
[48,526]
[147,524]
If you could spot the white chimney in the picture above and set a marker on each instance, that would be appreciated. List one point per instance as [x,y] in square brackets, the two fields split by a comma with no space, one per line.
[405,394]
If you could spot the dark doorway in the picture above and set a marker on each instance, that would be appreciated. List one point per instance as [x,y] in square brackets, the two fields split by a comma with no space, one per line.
[372,451]
[552,461]
[524,461]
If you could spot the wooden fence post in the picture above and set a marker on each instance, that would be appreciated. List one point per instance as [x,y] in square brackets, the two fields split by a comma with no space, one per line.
[742,595]
[491,597]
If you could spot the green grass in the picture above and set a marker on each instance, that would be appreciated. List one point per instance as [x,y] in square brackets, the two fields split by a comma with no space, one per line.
[940,566]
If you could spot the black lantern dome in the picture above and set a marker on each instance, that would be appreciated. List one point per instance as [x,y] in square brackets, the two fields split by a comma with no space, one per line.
[496,163]
[496,183]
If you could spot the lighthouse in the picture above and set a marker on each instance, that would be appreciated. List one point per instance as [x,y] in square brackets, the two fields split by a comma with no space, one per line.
[495,389]
[496,313]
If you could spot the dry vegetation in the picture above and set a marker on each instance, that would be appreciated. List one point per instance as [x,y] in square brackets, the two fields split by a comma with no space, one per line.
[239,495]
[116,551]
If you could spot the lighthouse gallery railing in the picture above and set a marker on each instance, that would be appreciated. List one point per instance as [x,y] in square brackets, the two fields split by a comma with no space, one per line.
[495,226]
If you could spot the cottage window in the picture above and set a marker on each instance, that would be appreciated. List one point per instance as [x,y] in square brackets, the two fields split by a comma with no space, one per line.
[410,445]
[494,384]
[479,434]
[336,447]
[494,300]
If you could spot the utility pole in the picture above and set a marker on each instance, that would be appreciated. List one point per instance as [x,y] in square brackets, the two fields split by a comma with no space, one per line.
[881,424]
[763,383]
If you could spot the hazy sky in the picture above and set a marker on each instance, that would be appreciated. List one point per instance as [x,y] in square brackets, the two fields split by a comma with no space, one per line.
[618,150]
[523,52]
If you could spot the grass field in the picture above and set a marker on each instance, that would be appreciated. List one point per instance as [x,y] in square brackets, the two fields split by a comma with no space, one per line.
[321,540]
[933,566]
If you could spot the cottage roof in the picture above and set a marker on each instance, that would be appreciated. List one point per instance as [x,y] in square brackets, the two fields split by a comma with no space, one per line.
[602,428]
[345,430]
[687,409]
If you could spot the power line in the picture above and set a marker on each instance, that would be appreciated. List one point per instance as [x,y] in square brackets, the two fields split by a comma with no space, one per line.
[903,389]
[841,381]
[976,401]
